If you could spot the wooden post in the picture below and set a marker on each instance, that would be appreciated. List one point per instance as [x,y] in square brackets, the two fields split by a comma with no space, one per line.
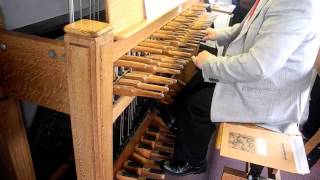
[15,157]
[90,79]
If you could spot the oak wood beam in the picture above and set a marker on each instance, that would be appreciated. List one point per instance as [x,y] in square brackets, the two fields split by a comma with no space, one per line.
[15,157]
[90,79]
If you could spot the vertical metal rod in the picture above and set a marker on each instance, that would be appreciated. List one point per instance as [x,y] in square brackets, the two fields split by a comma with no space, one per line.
[98,10]
[94,10]
[90,8]
[121,128]
[71,11]
[80,6]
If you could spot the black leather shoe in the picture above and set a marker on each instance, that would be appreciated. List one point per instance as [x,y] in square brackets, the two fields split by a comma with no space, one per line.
[182,168]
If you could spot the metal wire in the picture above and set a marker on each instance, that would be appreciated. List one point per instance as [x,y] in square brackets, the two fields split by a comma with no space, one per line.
[71,11]
[80,8]
[94,10]
[98,10]
[90,9]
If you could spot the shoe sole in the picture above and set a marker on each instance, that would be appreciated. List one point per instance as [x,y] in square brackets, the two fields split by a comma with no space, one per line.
[185,174]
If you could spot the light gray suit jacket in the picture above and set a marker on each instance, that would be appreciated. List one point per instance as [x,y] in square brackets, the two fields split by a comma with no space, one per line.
[266,74]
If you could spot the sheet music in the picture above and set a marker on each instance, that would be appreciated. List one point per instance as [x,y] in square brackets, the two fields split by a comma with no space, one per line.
[156,8]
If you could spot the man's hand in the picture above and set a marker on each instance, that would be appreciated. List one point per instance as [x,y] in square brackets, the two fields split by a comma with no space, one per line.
[210,34]
[201,58]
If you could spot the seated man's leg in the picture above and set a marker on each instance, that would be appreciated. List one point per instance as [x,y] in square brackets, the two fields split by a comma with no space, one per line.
[313,123]
[195,84]
[168,113]
[194,133]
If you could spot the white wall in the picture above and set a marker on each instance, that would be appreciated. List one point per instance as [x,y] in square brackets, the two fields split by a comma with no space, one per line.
[18,13]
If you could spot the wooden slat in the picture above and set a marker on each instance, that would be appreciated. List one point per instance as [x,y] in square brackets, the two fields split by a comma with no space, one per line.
[313,142]
[120,105]
[28,73]
[122,46]
[15,157]
[89,80]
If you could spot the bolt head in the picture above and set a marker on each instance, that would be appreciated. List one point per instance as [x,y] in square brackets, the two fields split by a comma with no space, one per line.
[3,47]
[52,54]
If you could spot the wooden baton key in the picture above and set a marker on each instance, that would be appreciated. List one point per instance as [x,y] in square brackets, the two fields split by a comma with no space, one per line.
[168,44]
[146,151]
[163,46]
[162,36]
[160,51]
[123,90]
[168,59]
[159,121]
[147,163]
[150,78]
[159,128]
[161,146]
[178,53]
[125,175]
[145,67]
[161,136]
[141,85]
[147,49]
[153,62]
[138,168]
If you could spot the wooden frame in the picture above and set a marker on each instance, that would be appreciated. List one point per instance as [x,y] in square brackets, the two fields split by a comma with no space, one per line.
[73,76]
[15,153]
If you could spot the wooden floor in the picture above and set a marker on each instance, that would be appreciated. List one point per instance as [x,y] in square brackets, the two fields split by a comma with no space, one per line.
[216,164]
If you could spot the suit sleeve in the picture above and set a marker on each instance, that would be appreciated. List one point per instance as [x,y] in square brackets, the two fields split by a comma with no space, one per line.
[285,26]
[226,35]
[317,63]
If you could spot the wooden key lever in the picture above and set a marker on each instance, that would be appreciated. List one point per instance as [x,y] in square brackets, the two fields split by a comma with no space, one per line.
[125,175]
[159,121]
[152,62]
[158,45]
[161,146]
[150,78]
[160,51]
[159,128]
[141,85]
[146,151]
[162,137]
[145,67]
[123,90]
[138,168]
[167,59]
[147,163]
